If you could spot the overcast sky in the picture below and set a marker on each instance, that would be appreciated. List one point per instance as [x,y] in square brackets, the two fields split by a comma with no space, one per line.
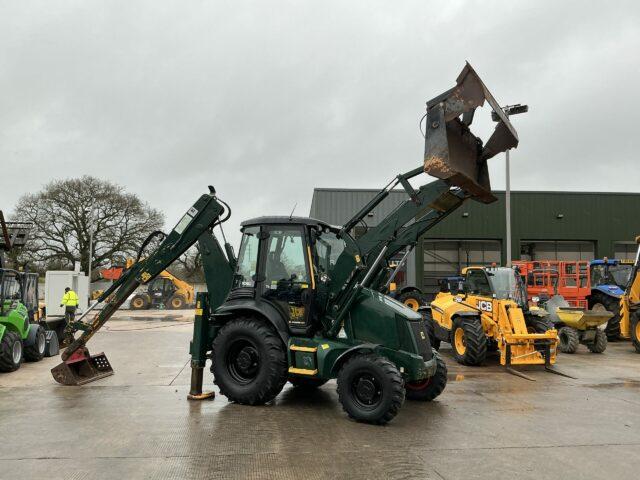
[267,100]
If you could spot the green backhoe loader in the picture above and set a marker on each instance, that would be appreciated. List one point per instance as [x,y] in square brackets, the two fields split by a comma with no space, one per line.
[305,301]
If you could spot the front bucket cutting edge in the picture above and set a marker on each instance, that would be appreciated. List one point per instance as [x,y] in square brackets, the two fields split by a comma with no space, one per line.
[452,152]
[82,368]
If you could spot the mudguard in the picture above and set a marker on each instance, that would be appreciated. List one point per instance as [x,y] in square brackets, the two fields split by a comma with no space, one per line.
[609,290]
[269,312]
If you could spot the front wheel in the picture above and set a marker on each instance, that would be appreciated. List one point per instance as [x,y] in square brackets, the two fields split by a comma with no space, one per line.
[429,388]
[139,302]
[35,352]
[413,299]
[469,341]
[370,389]
[249,361]
[176,302]
[634,326]
[602,302]
[599,343]
[569,340]
[10,352]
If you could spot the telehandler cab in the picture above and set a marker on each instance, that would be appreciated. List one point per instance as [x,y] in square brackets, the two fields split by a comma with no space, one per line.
[492,313]
[303,301]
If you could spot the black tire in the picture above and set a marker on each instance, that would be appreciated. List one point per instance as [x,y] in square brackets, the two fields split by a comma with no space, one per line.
[139,302]
[177,302]
[611,304]
[430,388]
[430,329]
[537,324]
[473,350]
[35,352]
[413,299]
[569,339]
[9,360]
[249,361]
[370,389]
[634,329]
[307,383]
[599,344]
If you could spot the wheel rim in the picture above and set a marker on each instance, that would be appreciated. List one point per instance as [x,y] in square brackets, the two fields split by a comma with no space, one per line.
[137,302]
[16,352]
[366,390]
[41,343]
[459,342]
[412,303]
[243,361]
[418,385]
[176,303]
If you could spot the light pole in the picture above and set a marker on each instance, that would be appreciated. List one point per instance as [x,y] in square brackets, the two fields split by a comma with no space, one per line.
[509,110]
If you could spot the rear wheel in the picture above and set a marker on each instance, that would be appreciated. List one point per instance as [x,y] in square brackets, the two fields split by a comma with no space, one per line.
[35,352]
[634,326]
[10,352]
[176,302]
[413,299]
[569,340]
[249,361]
[430,329]
[370,389]
[599,344]
[307,383]
[600,302]
[139,302]
[429,388]
[469,341]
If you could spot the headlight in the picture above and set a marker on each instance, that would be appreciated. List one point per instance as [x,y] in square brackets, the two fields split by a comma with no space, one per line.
[535,299]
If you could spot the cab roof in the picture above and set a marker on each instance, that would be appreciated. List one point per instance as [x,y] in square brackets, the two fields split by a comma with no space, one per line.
[285,220]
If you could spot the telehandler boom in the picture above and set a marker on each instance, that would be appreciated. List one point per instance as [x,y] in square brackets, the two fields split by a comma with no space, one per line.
[302,302]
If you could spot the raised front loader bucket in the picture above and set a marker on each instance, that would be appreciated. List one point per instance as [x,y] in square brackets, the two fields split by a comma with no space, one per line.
[81,368]
[452,152]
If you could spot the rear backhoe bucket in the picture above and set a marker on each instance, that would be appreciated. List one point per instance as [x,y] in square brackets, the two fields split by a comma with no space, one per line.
[452,152]
[81,368]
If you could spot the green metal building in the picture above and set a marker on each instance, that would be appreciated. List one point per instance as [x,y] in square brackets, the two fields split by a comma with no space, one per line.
[544,225]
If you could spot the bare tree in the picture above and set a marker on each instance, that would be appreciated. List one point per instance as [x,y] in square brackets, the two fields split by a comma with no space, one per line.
[189,266]
[65,211]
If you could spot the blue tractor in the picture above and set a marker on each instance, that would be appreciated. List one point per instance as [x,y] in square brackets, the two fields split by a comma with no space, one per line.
[609,278]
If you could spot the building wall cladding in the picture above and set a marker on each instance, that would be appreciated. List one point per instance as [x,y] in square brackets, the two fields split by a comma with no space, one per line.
[601,218]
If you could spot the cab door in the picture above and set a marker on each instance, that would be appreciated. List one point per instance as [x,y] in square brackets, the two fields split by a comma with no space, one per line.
[288,282]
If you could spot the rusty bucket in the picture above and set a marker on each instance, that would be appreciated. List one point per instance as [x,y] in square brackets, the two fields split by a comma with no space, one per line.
[81,368]
[452,152]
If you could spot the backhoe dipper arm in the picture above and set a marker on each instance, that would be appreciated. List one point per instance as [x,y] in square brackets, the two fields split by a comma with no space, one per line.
[199,219]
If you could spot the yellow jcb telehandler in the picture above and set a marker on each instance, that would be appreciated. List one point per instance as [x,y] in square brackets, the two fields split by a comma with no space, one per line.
[630,304]
[492,313]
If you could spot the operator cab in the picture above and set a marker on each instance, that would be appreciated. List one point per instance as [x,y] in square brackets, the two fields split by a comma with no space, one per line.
[502,283]
[610,272]
[295,264]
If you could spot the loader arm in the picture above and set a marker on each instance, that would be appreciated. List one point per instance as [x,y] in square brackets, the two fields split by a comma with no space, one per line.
[452,154]
[196,225]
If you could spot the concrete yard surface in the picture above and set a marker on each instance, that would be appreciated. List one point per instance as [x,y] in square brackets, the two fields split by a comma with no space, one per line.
[137,424]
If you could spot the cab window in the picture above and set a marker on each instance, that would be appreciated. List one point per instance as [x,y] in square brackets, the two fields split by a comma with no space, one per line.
[247,258]
[286,257]
[477,283]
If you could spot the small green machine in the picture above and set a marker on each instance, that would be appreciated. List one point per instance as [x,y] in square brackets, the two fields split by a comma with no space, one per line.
[21,337]
[305,302]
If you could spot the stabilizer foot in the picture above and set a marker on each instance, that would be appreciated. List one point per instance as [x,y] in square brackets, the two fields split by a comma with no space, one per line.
[201,396]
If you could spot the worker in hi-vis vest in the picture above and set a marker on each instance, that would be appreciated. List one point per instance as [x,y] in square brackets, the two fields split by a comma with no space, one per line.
[70,303]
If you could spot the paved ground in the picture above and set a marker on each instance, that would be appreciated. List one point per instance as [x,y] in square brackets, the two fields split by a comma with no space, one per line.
[487,424]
